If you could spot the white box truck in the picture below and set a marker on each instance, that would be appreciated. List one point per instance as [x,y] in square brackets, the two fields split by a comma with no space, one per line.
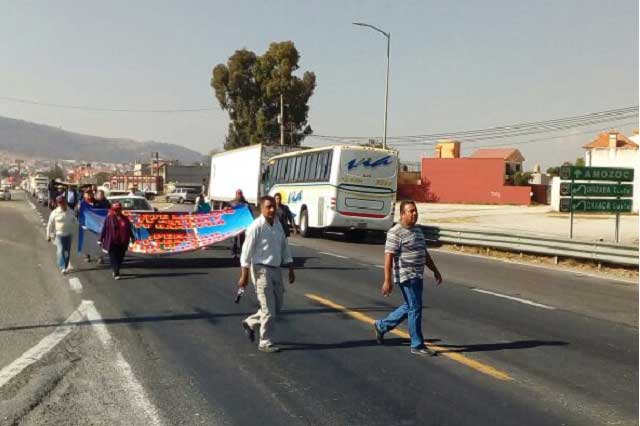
[241,168]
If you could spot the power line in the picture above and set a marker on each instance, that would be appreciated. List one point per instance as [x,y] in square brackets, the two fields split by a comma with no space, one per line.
[101,109]
[513,130]
[545,139]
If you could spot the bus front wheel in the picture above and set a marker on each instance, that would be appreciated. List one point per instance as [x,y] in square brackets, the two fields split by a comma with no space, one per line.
[305,231]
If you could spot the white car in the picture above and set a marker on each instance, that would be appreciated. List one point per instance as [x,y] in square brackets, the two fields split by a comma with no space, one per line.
[132,202]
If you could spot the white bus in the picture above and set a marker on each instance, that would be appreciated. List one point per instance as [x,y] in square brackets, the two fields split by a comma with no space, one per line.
[342,188]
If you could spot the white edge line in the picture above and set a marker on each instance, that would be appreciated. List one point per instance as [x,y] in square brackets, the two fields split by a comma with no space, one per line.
[133,385]
[379,266]
[75,285]
[334,255]
[517,299]
[41,348]
[532,265]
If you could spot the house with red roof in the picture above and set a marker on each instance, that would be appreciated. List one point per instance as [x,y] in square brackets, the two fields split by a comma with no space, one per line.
[485,177]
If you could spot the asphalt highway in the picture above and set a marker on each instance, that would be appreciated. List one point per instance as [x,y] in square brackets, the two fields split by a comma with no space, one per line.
[561,349]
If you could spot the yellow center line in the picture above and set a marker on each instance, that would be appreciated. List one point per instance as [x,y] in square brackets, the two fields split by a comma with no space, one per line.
[476,365]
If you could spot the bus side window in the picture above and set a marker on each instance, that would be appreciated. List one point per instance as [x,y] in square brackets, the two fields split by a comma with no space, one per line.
[290,168]
[327,166]
[311,167]
[303,167]
[318,174]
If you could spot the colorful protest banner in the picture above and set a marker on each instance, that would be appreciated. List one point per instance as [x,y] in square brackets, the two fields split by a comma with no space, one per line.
[174,232]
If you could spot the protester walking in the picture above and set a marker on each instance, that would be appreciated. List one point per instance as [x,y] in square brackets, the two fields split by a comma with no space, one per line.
[201,206]
[406,251]
[265,250]
[115,237]
[60,226]
[89,200]
[238,240]
[284,215]
[101,201]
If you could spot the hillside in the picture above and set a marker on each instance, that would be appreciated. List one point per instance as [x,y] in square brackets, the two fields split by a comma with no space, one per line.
[47,142]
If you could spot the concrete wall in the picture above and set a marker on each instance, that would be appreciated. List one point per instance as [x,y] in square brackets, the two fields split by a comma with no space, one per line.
[470,180]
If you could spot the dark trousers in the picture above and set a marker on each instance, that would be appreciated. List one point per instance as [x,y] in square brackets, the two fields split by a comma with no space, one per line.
[238,241]
[116,257]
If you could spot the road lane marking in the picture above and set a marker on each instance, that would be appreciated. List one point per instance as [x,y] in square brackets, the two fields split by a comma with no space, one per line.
[471,363]
[517,299]
[42,348]
[75,285]
[334,255]
[134,387]
[379,266]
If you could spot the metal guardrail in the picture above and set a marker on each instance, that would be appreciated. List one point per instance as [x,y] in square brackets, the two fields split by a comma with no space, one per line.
[599,251]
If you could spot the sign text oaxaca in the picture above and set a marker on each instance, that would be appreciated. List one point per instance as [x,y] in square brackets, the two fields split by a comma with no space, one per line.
[595,205]
[595,189]
[596,173]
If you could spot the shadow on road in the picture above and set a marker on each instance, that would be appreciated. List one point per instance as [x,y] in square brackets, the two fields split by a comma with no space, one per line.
[304,346]
[488,347]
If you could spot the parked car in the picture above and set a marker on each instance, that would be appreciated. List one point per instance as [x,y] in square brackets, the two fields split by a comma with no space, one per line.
[180,195]
[133,202]
[5,194]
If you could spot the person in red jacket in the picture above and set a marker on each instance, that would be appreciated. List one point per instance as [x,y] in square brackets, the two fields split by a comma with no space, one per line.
[115,237]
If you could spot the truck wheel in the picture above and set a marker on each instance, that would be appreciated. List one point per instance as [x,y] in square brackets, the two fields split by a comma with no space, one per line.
[180,200]
[305,231]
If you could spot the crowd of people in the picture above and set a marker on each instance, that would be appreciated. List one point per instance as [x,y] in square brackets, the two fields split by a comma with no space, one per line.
[262,250]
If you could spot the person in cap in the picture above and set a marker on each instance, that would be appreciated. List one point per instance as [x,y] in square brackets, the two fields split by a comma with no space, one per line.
[62,222]
[115,236]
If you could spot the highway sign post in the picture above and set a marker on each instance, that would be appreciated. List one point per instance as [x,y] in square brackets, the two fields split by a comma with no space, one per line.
[595,205]
[612,174]
[595,190]
[620,193]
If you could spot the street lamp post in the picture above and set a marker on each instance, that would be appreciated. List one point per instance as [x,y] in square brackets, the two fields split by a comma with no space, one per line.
[386,89]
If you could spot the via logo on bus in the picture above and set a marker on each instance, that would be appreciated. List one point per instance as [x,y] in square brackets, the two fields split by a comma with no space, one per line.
[366,162]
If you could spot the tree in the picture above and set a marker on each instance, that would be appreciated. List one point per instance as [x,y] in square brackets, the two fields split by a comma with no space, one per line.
[372,143]
[248,87]
[579,162]
[521,178]
[56,172]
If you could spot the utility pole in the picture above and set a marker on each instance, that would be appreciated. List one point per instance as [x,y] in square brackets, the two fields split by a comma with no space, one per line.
[281,119]
[386,89]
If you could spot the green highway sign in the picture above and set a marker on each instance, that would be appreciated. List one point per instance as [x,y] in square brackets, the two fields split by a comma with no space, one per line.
[596,173]
[595,189]
[602,205]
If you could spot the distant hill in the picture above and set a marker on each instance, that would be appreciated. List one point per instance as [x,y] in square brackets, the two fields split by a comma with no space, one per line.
[47,142]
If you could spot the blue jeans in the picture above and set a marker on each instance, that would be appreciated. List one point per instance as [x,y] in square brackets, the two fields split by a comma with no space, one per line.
[63,250]
[412,309]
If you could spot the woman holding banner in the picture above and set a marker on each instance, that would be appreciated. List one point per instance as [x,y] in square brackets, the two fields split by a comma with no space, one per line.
[115,236]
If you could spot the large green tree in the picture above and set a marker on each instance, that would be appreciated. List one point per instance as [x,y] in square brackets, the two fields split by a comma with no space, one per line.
[249,86]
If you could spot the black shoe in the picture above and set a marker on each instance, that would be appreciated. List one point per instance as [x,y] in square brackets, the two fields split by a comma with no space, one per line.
[248,331]
[269,349]
[87,258]
[423,351]
[379,335]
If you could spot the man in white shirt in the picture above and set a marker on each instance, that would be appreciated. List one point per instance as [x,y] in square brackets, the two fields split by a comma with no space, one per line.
[61,225]
[265,249]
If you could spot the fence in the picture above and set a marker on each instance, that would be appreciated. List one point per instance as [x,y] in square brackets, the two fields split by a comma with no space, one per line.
[598,251]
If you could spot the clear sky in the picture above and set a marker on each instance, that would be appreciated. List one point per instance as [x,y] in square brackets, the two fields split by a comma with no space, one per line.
[454,65]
